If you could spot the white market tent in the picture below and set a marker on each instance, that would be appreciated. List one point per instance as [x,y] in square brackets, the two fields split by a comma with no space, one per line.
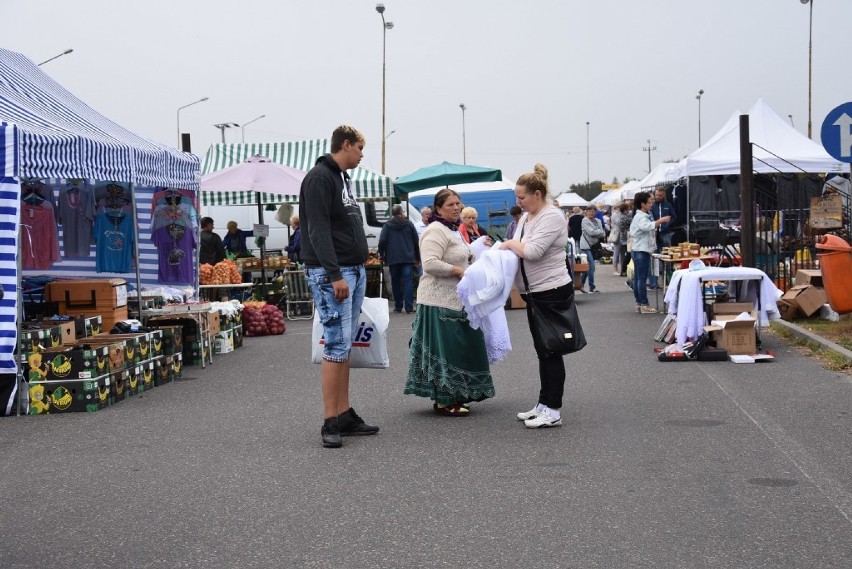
[777,147]
[570,199]
[302,155]
[629,190]
[48,133]
[608,197]
[660,174]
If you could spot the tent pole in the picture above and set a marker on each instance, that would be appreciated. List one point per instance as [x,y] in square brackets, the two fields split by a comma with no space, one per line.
[136,250]
[19,319]
[262,246]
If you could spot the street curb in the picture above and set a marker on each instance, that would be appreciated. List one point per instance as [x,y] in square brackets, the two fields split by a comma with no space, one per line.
[810,337]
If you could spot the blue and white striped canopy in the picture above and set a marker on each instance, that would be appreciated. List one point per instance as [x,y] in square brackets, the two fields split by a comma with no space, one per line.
[60,136]
[302,155]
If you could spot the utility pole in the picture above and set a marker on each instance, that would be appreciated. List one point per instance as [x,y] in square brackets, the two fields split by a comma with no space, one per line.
[648,149]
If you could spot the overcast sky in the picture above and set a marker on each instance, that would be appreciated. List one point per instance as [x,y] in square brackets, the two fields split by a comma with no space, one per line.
[531,74]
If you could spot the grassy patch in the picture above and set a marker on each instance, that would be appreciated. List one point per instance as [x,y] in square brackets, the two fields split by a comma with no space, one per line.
[829,358]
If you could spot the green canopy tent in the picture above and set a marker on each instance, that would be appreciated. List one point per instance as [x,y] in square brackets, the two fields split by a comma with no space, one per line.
[444,174]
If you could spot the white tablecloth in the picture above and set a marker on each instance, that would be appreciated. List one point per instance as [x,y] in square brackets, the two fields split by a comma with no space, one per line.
[685,299]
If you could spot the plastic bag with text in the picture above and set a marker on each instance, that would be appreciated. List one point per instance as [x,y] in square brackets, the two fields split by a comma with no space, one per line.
[369,346]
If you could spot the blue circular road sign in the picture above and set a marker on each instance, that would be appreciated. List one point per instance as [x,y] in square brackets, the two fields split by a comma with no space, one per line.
[836,133]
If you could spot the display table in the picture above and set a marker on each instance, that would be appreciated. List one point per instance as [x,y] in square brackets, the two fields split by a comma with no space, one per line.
[685,296]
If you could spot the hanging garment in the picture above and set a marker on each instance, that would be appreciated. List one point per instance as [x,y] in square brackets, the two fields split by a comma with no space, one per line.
[114,238]
[39,236]
[729,197]
[76,215]
[175,243]
[787,189]
[181,213]
[702,194]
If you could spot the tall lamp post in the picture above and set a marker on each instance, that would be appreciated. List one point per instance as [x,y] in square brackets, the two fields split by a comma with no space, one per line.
[698,96]
[245,124]
[380,8]
[201,100]
[464,141]
[810,59]
[66,52]
[222,126]
[587,156]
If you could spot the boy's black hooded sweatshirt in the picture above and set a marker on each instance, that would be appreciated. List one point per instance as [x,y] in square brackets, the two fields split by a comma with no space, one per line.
[332,227]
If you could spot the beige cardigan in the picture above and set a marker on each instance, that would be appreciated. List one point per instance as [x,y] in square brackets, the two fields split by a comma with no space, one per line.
[440,249]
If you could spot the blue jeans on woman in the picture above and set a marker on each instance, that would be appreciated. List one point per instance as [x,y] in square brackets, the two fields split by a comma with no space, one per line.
[641,268]
[591,274]
[402,286]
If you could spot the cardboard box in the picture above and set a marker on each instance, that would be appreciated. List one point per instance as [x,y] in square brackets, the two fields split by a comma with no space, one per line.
[213,318]
[69,395]
[119,388]
[515,300]
[177,365]
[140,377]
[809,276]
[170,340]
[66,363]
[163,370]
[787,310]
[223,342]
[734,308]
[107,294]
[238,337]
[115,350]
[67,328]
[734,336]
[808,298]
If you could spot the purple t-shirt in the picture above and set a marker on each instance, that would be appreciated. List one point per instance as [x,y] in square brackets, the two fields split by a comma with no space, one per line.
[175,243]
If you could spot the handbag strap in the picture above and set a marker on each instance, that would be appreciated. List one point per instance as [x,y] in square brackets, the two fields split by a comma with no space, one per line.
[523,272]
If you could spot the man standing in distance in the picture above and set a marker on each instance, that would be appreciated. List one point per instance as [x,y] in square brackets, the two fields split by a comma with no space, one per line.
[334,249]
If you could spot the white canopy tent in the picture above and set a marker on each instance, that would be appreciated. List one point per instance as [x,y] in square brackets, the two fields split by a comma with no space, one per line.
[608,197]
[661,173]
[629,190]
[570,199]
[778,147]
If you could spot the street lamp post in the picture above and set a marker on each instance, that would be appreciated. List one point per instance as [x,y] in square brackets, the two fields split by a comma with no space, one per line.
[380,8]
[201,100]
[587,156]
[245,124]
[66,52]
[464,141]
[698,96]
[810,60]
[222,126]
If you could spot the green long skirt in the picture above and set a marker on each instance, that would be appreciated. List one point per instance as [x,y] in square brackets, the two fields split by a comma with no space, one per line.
[449,363]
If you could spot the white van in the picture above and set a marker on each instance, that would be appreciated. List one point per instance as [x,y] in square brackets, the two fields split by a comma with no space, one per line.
[374,214]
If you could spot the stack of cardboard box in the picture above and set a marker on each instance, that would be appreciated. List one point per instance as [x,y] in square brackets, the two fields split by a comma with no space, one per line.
[805,298]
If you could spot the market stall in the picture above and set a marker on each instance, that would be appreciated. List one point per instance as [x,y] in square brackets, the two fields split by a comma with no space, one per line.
[48,136]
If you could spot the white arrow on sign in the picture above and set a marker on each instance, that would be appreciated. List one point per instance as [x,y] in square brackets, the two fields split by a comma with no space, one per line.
[845,124]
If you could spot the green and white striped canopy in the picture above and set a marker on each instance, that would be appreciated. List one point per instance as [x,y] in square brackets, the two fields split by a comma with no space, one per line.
[302,155]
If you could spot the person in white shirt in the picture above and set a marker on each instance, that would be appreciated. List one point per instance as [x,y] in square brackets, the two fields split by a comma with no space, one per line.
[420,226]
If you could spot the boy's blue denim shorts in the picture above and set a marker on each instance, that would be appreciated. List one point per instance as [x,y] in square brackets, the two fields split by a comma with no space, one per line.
[339,319]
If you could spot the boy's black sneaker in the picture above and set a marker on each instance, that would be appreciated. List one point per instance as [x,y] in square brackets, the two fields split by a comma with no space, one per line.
[330,433]
[351,424]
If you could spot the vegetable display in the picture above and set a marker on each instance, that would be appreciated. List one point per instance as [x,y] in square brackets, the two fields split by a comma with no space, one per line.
[224,272]
[265,321]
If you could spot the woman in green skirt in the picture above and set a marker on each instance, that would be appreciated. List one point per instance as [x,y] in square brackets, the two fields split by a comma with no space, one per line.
[449,363]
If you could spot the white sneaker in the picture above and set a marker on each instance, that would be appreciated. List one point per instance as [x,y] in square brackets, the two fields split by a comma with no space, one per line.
[543,419]
[531,414]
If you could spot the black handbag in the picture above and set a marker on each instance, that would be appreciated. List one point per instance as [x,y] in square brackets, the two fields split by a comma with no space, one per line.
[555,324]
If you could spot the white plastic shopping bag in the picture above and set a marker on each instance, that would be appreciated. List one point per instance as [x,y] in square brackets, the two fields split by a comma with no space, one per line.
[369,346]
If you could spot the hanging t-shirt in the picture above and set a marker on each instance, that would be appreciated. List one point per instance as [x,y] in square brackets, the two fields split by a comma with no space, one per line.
[39,237]
[175,243]
[76,213]
[180,213]
[114,238]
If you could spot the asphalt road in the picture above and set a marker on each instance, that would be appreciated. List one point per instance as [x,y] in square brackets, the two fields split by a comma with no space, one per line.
[682,465]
